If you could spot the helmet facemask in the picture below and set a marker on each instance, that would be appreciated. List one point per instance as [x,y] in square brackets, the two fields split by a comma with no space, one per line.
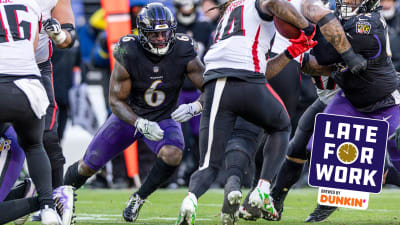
[350,8]
[157,42]
[156,26]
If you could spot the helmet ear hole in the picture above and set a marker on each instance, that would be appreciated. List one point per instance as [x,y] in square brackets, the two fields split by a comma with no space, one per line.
[156,30]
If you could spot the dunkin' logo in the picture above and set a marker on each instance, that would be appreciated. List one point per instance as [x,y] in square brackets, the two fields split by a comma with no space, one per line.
[342,201]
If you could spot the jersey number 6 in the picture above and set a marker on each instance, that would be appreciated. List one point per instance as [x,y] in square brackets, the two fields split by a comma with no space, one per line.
[152,96]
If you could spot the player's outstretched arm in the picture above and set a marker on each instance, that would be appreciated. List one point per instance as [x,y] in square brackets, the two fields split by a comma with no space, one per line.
[333,32]
[120,87]
[62,25]
[284,10]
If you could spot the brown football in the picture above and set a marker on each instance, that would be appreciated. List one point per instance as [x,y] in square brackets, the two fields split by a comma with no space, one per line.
[286,29]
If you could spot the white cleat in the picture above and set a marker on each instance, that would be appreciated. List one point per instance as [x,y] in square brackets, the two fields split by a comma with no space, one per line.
[263,201]
[64,199]
[49,216]
[187,213]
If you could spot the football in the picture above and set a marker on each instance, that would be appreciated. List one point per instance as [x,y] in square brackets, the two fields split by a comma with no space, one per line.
[286,29]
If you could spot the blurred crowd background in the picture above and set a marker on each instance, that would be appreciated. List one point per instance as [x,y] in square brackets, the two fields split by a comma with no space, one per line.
[86,67]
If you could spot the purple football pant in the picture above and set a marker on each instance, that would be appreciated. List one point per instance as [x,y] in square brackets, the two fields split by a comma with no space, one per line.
[341,106]
[187,97]
[11,160]
[115,136]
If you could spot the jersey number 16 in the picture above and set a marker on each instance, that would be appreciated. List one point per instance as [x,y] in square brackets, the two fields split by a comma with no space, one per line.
[11,19]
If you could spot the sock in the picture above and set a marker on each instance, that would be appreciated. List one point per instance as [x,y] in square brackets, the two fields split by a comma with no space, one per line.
[57,160]
[288,175]
[57,177]
[73,178]
[14,209]
[40,172]
[264,186]
[201,180]
[274,154]
[393,177]
[236,163]
[158,175]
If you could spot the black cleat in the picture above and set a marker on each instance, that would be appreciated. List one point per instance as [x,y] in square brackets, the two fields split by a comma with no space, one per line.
[131,212]
[247,212]
[232,199]
[320,213]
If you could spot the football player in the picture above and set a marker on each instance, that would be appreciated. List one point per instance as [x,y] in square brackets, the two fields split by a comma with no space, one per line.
[372,94]
[144,89]
[24,100]
[235,85]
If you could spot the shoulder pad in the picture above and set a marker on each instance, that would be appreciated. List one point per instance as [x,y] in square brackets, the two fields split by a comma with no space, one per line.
[125,48]
[186,40]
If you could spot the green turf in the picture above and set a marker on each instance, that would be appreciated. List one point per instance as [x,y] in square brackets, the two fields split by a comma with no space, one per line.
[105,207]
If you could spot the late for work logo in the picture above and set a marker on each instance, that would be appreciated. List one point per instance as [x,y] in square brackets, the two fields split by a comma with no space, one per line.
[348,153]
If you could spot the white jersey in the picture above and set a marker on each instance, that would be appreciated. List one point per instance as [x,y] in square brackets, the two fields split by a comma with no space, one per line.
[242,39]
[44,49]
[280,42]
[19,21]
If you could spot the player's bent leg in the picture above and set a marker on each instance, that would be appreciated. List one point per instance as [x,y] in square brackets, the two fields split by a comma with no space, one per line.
[112,138]
[168,160]
[77,174]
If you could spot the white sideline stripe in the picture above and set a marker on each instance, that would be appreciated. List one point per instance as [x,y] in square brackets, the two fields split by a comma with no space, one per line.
[219,88]
[106,217]
[3,159]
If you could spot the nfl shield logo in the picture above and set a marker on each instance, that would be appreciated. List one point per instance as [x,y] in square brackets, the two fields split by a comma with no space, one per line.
[156,69]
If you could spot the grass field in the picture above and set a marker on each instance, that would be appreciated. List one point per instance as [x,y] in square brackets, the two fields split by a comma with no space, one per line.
[105,207]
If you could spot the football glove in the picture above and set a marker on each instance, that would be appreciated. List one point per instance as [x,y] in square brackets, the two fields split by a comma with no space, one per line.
[53,29]
[355,62]
[300,45]
[151,130]
[186,111]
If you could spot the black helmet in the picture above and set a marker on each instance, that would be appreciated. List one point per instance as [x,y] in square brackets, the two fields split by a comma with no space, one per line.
[349,8]
[156,26]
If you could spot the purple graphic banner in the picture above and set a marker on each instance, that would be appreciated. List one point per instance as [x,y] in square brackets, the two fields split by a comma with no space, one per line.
[348,153]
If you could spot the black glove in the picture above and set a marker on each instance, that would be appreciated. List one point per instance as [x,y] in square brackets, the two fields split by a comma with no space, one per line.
[355,62]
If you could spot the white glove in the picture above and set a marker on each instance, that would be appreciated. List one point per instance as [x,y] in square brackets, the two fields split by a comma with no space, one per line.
[186,111]
[149,129]
[53,29]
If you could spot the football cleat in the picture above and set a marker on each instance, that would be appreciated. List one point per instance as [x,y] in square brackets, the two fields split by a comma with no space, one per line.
[320,213]
[187,213]
[49,216]
[230,208]
[36,217]
[278,199]
[131,211]
[64,199]
[247,215]
[263,201]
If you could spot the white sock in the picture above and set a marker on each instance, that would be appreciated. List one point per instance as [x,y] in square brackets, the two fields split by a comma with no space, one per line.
[264,185]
